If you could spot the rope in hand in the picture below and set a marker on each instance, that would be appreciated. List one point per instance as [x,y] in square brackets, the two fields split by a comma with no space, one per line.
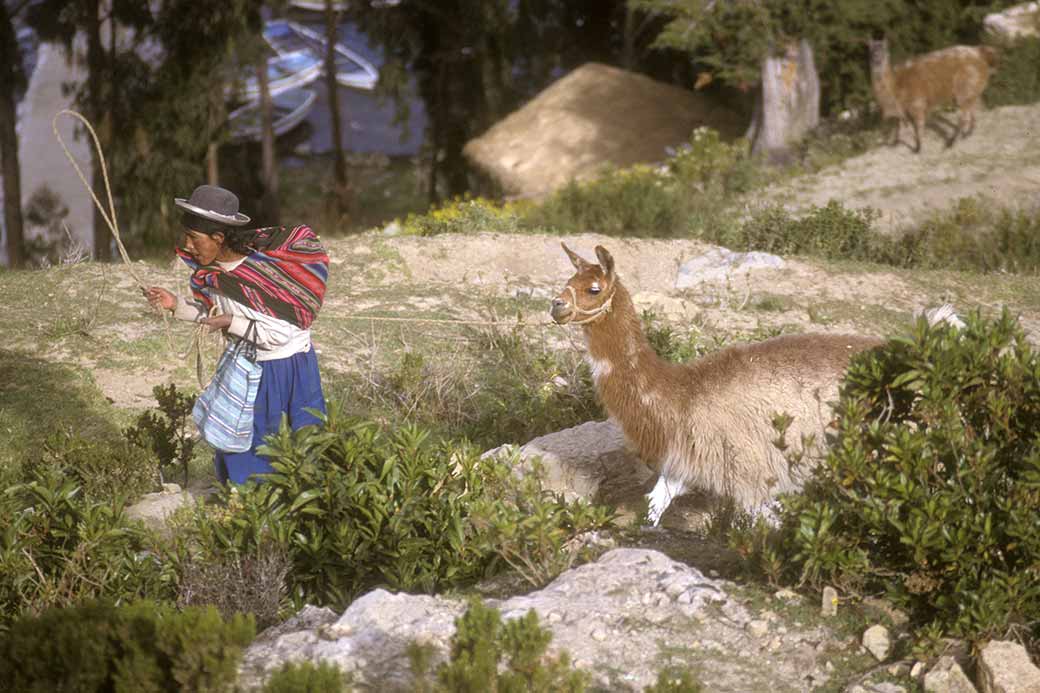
[110,215]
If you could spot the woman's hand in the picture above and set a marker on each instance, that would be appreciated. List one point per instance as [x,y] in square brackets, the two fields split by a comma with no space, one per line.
[160,298]
[217,322]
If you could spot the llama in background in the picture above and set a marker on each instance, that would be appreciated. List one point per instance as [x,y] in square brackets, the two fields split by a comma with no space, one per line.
[912,89]
[707,424]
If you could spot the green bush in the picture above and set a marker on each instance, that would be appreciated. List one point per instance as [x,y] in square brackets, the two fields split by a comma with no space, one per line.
[689,190]
[467,215]
[305,677]
[105,469]
[141,647]
[1017,77]
[531,528]
[58,547]
[932,488]
[832,232]
[487,655]
[674,681]
[168,431]
[355,506]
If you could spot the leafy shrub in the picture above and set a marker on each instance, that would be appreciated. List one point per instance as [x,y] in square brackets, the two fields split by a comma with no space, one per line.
[355,506]
[58,548]
[503,388]
[466,215]
[534,530]
[1017,77]
[167,432]
[487,655]
[105,469]
[305,677]
[637,201]
[972,235]
[932,488]
[141,647]
[831,232]
[689,190]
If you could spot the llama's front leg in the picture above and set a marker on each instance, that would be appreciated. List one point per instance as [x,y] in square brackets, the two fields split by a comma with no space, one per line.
[661,497]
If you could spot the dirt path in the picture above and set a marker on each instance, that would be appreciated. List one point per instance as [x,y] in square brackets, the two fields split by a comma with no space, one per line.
[1000,160]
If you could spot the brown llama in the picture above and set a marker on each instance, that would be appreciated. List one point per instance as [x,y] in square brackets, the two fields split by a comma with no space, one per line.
[706,424]
[911,90]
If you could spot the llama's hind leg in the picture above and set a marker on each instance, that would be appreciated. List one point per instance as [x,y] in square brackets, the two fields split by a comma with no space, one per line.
[665,490]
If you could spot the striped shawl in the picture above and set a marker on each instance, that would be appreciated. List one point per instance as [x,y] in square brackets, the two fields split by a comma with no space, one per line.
[284,277]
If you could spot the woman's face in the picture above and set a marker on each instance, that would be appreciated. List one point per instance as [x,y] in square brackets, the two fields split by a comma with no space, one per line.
[203,247]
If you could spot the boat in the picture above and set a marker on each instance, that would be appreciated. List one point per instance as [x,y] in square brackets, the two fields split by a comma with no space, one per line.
[352,69]
[284,72]
[289,109]
[283,39]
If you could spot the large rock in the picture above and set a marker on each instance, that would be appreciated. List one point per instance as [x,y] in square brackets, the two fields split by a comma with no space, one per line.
[589,461]
[1005,667]
[596,115]
[623,618]
[723,265]
[154,508]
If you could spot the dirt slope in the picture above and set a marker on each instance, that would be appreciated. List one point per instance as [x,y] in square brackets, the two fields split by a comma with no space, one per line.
[1000,160]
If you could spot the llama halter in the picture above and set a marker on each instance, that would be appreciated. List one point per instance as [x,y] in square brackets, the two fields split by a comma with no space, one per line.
[594,314]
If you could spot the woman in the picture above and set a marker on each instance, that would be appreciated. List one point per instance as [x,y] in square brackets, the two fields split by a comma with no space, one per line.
[273,277]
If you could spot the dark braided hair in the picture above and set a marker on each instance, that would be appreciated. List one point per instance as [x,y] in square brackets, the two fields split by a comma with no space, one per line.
[236,238]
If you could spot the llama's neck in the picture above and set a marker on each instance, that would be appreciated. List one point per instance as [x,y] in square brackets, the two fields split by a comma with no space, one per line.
[624,365]
[884,84]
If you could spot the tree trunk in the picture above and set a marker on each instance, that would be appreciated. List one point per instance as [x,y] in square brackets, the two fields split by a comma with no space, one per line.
[788,105]
[340,194]
[269,164]
[96,115]
[10,76]
[215,117]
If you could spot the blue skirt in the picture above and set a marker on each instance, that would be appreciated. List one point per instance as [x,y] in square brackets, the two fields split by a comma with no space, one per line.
[287,386]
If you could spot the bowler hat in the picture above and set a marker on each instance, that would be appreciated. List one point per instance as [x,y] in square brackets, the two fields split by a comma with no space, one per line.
[213,203]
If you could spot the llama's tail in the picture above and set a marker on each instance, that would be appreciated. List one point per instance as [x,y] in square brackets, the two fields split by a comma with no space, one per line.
[943,314]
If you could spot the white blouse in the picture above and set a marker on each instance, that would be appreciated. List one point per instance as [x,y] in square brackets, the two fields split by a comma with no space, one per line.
[275,338]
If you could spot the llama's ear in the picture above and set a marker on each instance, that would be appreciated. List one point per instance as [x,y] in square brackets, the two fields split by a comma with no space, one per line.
[579,262]
[606,261]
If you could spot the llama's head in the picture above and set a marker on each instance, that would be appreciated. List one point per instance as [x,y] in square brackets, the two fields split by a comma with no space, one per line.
[588,294]
[878,53]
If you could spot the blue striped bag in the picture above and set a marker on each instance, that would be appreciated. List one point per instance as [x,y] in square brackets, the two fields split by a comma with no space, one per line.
[224,410]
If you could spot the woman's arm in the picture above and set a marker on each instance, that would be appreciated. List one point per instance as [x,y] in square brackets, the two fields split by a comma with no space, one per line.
[182,309]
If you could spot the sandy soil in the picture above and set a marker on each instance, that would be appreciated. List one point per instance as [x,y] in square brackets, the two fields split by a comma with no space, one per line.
[1000,160]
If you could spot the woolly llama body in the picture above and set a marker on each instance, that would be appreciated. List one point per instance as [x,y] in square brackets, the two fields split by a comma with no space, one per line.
[911,90]
[707,424]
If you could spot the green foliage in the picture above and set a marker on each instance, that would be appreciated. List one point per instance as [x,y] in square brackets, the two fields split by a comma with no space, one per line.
[730,39]
[354,506]
[832,231]
[167,432]
[487,655]
[467,215]
[141,647]
[104,469]
[58,547]
[932,488]
[531,528]
[689,190]
[306,677]
[1016,79]
[972,235]
[674,681]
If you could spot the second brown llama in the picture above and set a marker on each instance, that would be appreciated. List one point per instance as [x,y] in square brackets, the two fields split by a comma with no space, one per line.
[911,90]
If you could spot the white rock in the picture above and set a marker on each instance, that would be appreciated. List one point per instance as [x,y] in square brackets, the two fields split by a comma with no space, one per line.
[1005,667]
[757,628]
[877,642]
[721,264]
[947,677]
[829,601]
